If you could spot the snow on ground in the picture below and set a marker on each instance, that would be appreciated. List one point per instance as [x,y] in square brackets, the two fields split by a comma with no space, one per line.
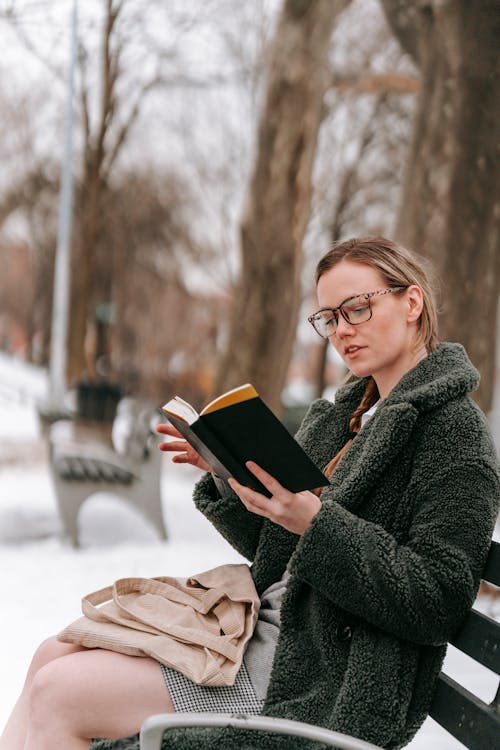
[20,381]
[44,578]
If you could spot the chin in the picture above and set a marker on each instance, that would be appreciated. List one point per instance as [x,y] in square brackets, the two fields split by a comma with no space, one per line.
[359,370]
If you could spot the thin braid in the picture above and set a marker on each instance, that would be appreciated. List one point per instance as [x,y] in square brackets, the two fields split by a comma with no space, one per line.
[370,397]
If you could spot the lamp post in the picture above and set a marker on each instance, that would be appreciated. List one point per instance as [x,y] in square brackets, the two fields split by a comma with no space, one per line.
[60,305]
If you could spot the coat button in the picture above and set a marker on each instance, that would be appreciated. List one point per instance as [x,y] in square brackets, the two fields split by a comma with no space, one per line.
[344,632]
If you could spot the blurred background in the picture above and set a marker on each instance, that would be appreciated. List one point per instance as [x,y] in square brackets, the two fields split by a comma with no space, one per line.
[171,172]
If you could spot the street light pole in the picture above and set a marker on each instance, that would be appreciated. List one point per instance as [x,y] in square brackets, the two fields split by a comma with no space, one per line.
[60,305]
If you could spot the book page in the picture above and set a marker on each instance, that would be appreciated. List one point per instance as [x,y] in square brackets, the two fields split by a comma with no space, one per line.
[235,396]
[181,409]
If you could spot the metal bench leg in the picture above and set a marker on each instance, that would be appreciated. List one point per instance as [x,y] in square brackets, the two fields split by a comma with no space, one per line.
[70,498]
[151,505]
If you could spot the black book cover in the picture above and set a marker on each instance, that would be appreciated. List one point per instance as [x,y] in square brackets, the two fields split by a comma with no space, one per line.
[249,431]
[214,453]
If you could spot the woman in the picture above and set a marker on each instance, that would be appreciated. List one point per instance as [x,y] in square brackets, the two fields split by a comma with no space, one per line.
[364,581]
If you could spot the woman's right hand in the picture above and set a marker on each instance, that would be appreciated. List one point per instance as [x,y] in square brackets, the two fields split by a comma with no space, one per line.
[184,452]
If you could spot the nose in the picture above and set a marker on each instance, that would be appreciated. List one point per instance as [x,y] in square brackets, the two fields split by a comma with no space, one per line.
[343,327]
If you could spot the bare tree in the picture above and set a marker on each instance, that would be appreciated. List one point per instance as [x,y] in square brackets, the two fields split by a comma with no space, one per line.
[34,195]
[155,319]
[112,91]
[450,204]
[132,60]
[104,138]
[263,321]
[28,198]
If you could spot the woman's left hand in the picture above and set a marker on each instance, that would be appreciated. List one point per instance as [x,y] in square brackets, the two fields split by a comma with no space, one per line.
[292,510]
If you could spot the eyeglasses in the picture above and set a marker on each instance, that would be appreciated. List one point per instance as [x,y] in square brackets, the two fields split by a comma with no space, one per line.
[354,310]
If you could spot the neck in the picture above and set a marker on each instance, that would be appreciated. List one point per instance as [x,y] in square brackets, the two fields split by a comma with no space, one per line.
[386,381]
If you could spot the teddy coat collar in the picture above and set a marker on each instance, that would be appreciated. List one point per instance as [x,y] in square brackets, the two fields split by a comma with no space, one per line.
[444,375]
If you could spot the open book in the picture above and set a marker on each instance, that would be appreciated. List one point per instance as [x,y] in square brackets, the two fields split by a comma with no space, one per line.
[238,427]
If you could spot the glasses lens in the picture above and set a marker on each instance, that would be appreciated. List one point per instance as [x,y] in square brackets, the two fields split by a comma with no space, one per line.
[357,311]
[324,322]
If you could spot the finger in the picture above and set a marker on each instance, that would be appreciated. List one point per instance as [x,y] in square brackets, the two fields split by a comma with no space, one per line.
[269,482]
[168,429]
[253,500]
[172,445]
[181,458]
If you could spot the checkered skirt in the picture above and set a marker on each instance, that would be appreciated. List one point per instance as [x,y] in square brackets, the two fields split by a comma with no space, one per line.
[189,696]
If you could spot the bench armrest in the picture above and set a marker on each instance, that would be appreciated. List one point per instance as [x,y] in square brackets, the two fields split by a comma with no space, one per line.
[154,727]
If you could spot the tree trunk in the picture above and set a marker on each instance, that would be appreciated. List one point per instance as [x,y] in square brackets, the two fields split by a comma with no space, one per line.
[82,275]
[97,150]
[264,316]
[450,209]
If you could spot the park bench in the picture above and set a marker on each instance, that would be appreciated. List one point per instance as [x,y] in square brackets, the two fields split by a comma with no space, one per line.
[127,465]
[474,723]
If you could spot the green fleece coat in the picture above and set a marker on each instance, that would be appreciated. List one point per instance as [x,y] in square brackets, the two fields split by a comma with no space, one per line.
[389,567]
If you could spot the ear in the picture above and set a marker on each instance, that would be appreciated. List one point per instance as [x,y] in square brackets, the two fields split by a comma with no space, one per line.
[415,302]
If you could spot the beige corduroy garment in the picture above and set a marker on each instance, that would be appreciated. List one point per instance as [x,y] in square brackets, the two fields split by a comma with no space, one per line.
[199,626]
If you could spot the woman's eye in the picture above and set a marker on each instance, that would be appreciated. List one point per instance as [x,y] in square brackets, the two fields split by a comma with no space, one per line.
[359,309]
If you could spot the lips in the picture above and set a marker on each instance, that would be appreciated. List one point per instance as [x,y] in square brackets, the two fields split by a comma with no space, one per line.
[352,349]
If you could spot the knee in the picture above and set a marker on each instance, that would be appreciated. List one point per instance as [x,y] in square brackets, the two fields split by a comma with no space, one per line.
[47,694]
[42,697]
[47,651]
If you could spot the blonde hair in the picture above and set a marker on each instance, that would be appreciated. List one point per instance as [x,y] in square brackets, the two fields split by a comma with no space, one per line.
[399,267]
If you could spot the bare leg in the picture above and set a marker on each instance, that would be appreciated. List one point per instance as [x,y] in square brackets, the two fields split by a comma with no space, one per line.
[93,693]
[14,734]
[103,691]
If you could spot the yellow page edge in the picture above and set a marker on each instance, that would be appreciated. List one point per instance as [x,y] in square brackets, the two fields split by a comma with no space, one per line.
[234,396]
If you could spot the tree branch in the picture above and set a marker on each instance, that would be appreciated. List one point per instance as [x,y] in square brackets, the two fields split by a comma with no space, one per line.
[110,73]
[372,83]
[9,15]
[84,101]
[126,127]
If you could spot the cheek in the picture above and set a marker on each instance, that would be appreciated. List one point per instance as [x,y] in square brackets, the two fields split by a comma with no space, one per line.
[392,328]
[392,340]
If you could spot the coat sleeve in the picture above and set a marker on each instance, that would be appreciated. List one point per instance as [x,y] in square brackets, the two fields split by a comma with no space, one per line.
[227,513]
[229,516]
[421,590]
